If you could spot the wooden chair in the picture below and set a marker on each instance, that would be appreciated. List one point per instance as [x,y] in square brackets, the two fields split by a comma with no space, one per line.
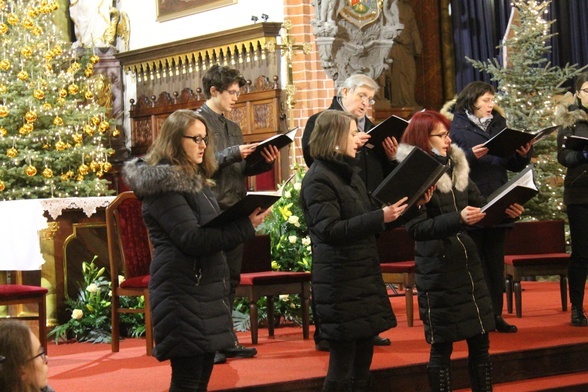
[531,249]
[396,252]
[19,294]
[129,247]
[258,280]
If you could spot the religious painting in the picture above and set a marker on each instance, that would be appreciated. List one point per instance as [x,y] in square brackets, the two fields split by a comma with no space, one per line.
[171,9]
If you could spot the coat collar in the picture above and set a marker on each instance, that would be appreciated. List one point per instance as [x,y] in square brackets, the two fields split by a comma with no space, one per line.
[147,180]
[457,176]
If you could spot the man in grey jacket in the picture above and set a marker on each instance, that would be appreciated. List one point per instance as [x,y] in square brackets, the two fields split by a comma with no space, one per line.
[222,89]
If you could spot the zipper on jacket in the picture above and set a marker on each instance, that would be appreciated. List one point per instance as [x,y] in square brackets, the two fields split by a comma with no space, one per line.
[465,253]
[577,178]
[430,319]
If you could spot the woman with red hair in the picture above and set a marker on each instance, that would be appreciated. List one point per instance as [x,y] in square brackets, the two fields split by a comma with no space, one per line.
[454,302]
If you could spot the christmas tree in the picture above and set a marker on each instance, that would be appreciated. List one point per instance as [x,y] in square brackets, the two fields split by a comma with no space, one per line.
[527,89]
[53,133]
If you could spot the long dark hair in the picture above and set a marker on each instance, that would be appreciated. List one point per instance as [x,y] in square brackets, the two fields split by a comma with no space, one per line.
[15,346]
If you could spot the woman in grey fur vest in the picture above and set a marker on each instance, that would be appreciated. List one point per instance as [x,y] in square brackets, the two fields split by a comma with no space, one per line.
[574,121]
[454,302]
[189,283]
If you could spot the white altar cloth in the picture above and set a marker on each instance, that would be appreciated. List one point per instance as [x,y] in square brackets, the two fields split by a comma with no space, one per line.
[21,220]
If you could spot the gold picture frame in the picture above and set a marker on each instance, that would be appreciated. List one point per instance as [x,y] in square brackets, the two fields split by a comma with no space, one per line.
[171,9]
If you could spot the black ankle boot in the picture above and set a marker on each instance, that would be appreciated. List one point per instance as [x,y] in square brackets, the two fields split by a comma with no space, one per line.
[503,326]
[338,386]
[363,385]
[578,317]
[480,376]
[439,379]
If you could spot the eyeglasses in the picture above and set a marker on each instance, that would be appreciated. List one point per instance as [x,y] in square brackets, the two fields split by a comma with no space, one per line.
[197,139]
[366,99]
[234,93]
[444,135]
[42,354]
[584,90]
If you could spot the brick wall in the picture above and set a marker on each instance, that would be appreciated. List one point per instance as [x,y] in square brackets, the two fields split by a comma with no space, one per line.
[315,89]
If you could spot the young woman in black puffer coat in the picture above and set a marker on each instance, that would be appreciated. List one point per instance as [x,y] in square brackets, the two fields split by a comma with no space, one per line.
[349,294]
[189,284]
[454,302]
[574,121]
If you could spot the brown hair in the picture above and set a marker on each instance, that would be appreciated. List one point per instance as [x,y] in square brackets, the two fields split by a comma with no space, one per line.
[15,346]
[168,145]
[329,136]
[466,100]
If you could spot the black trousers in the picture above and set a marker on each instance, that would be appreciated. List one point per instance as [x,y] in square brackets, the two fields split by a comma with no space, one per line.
[191,374]
[577,270]
[350,359]
[490,245]
[478,347]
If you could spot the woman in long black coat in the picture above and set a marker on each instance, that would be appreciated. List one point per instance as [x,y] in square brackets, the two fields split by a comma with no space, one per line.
[189,284]
[454,301]
[350,296]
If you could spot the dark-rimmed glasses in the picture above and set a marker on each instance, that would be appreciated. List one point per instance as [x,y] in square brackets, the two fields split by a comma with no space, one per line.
[42,354]
[197,139]
[443,135]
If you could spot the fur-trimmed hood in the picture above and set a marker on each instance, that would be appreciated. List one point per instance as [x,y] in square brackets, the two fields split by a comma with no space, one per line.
[147,180]
[460,168]
[568,113]
[448,109]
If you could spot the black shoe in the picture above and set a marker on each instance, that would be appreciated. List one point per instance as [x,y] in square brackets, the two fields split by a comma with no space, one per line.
[322,345]
[380,341]
[240,352]
[578,317]
[503,326]
[219,358]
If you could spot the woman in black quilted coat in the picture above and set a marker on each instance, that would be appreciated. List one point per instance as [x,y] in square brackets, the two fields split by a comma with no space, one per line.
[573,119]
[454,301]
[350,296]
[189,283]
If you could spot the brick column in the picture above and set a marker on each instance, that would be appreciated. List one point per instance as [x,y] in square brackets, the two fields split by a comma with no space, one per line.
[315,89]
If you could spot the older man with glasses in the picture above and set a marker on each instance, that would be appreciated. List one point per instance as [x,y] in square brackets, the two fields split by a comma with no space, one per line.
[356,96]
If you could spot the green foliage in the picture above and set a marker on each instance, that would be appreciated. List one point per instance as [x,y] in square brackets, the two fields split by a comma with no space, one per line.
[527,87]
[91,310]
[53,126]
[291,251]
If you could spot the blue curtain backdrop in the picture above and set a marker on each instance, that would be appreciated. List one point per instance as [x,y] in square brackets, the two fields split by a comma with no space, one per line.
[480,25]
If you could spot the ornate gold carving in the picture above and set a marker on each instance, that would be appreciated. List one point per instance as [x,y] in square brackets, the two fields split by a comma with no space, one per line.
[49,232]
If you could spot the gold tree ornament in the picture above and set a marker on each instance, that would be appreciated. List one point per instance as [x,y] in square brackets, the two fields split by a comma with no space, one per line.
[4,111]
[37,31]
[83,169]
[23,75]
[107,166]
[12,19]
[58,121]
[94,59]
[115,133]
[62,93]
[60,145]
[89,94]
[78,138]
[39,94]
[73,89]
[12,152]
[3,89]
[3,131]
[2,186]
[47,173]
[27,23]
[4,65]
[30,170]
[94,166]
[27,52]
[31,116]
[3,28]
[26,129]
[103,127]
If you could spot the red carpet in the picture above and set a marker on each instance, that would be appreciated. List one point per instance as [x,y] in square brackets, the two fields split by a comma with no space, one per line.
[287,357]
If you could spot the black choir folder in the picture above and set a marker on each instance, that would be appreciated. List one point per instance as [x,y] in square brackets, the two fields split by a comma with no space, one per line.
[577,143]
[520,189]
[280,141]
[246,206]
[393,126]
[411,178]
[506,142]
